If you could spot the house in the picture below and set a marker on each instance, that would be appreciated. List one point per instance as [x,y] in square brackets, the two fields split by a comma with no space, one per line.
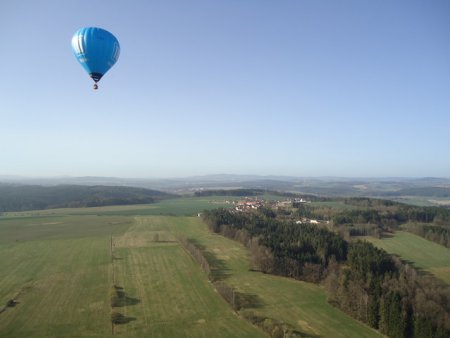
[248,204]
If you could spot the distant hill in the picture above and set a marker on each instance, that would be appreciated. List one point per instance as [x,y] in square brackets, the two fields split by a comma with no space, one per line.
[389,187]
[422,191]
[34,197]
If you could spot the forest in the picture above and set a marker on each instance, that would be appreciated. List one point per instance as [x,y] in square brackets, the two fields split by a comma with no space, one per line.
[35,197]
[358,216]
[435,233]
[362,280]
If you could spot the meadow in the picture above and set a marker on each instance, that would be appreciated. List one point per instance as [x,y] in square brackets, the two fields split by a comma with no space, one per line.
[60,282]
[183,206]
[302,306]
[65,266]
[423,254]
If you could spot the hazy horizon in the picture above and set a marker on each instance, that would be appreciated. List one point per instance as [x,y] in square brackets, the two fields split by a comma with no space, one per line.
[5,176]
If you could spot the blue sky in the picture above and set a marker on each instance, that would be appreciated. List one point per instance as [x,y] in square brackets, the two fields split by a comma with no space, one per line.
[303,88]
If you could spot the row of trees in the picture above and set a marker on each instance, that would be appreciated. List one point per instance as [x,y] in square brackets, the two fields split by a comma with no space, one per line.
[196,253]
[235,299]
[435,233]
[226,291]
[395,216]
[228,192]
[362,280]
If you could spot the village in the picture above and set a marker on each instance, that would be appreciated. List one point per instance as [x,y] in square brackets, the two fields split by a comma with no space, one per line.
[250,204]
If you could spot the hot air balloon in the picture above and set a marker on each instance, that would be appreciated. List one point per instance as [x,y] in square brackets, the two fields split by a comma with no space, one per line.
[96,49]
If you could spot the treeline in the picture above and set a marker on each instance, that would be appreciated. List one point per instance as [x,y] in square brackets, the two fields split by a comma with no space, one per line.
[230,192]
[256,192]
[366,216]
[197,254]
[226,291]
[301,251]
[435,233]
[389,295]
[238,300]
[442,192]
[362,280]
[34,197]
[394,216]
[377,211]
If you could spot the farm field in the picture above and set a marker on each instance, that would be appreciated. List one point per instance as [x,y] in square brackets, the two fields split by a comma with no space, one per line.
[423,200]
[62,281]
[184,206]
[60,269]
[424,254]
[168,293]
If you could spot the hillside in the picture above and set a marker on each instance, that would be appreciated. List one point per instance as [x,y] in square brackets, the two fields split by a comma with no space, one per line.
[35,197]
[424,190]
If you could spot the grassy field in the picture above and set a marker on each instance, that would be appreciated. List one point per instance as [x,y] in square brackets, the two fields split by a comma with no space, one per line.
[61,287]
[302,305]
[60,271]
[168,294]
[185,206]
[58,265]
[424,254]
[423,201]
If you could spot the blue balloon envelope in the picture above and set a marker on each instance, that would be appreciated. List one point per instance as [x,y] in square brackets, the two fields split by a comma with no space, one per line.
[96,49]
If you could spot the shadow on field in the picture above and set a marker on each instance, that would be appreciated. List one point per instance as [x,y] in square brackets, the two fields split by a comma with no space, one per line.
[248,300]
[385,235]
[120,299]
[218,267]
[298,333]
[276,328]
[118,318]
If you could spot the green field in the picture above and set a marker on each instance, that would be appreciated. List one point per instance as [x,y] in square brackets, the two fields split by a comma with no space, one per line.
[424,254]
[58,269]
[423,201]
[184,206]
[302,305]
[61,268]
[169,294]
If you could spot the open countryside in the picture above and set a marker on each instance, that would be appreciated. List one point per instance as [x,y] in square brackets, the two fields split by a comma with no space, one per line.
[210,169]
[64,271]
